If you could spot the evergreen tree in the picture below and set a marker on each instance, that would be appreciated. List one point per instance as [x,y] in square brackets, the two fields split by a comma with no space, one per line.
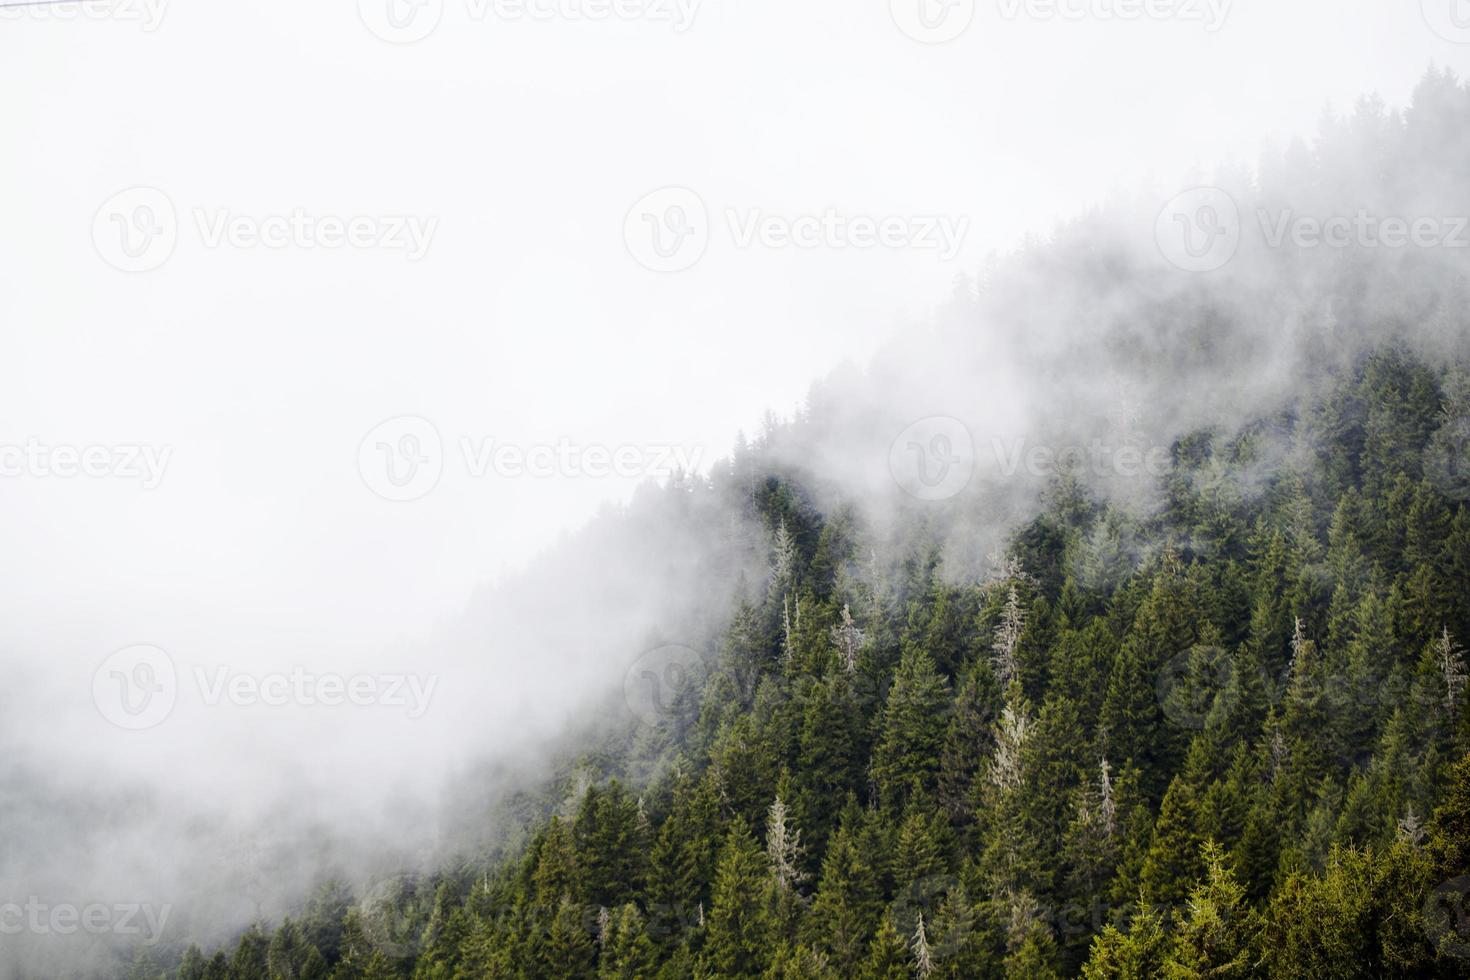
[913,731]
[738,931]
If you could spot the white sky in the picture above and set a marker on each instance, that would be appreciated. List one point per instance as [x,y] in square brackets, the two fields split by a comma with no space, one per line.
[528,320]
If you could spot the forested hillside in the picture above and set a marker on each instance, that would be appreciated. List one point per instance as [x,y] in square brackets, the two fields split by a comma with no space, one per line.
[1214,726]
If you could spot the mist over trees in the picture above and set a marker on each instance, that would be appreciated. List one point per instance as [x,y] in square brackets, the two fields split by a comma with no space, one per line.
[1075,721]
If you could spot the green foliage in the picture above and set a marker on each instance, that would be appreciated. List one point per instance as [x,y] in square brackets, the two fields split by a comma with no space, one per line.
[1229,737]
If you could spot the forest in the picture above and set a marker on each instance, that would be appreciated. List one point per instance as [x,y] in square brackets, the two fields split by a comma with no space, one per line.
[1214,729]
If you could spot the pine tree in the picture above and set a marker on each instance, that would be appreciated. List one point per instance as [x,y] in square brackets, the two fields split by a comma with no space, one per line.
[289,955]
[848,900]
[612,844]
[566,947]
[557,874]
[1174,861]
[888,957]
[628,953]
[968,741]
[913,730]
[192,964]
[1216,931]
[737,944]
[249,961]
[1135,954]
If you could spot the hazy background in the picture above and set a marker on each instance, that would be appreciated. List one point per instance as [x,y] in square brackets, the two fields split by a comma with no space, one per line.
[528,320]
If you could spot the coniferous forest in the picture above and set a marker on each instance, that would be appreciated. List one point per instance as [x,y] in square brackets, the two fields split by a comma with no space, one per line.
[1216,726]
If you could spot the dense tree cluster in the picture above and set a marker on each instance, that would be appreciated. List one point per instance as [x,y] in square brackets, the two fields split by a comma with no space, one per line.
[1246,755]
[1225,734]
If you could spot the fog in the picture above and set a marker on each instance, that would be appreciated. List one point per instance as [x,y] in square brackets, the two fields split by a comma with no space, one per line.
[431,458]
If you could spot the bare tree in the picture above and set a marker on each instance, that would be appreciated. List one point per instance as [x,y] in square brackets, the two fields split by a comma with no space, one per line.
[923,959]
[849,640]
[1007,637]
[783,847]
[1452,666]
[1410,829]
[1010,739]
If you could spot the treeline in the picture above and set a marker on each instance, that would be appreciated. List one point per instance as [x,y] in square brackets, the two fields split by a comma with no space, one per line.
[1214,725]
[1227,738]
